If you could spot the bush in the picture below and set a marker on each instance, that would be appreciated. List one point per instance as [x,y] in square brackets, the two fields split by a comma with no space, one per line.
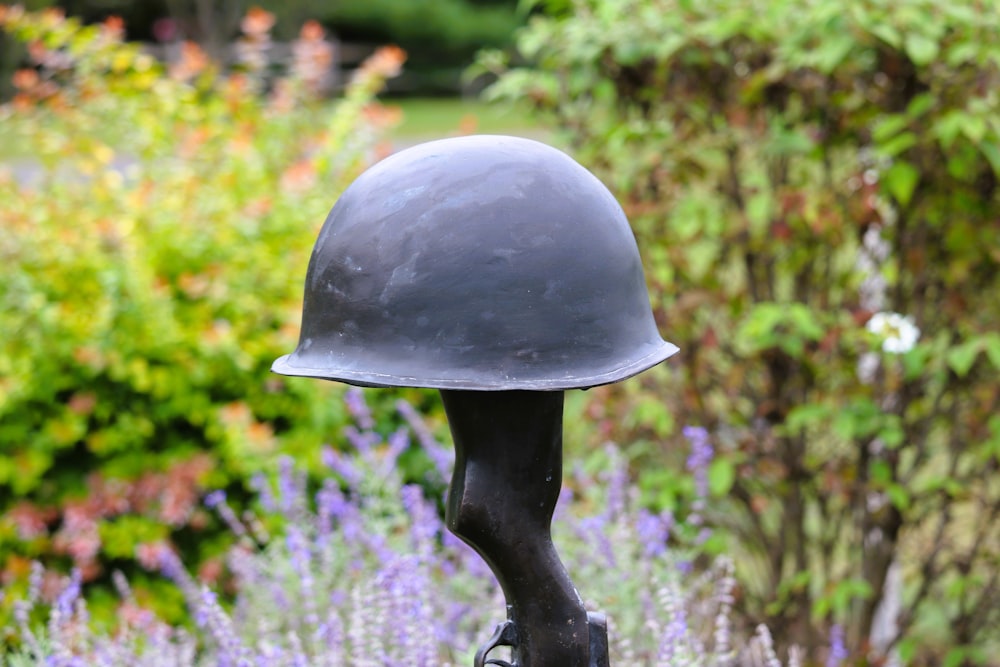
[814,188]
[153,256]
[442,36]
[363,573]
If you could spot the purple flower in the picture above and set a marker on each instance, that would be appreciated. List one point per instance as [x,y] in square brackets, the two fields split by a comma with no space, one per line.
[398,442]
[697,463]
[616,479]
[596,532]
[343,466]
[362,441]
[290,486]
[653,531]
[424,522]
[675,635]
[354,399]
[442,457]
[69,595]
[701,449]
[262,487]
[215,498]
[330,501]
[838,651]
[299,553]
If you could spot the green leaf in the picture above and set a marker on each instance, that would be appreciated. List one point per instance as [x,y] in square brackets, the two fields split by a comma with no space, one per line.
[889,127]
[920,105]
[954,657]
[961,52]
[860,419]
[810,414]
[991,149]
[974,128]
[961,357]
[892,432]
[901,179]
[886,32]
[821,607]
[846,592]
[948,127]
[991,344]
[759,210]
[832,51]
[805,322]
[898,144]
[721,475]
[898,496]
[921,49]
[791,142]
[915,361]
[907,648]
[880,472]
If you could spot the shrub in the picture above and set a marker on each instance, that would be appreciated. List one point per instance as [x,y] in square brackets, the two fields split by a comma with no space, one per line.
[363,573]
[442,36]
[152,270]
[793,168]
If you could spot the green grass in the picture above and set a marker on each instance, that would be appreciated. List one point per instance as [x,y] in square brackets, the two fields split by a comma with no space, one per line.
[432,118]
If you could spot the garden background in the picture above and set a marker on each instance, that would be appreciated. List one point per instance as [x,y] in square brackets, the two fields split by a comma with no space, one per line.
[814,189]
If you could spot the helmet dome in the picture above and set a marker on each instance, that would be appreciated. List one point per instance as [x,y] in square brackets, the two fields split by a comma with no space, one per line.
[479,263]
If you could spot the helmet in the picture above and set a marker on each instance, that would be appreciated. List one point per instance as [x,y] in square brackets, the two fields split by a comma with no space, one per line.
[478,263]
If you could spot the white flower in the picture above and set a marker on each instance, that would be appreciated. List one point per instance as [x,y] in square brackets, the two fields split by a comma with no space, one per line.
[899,334]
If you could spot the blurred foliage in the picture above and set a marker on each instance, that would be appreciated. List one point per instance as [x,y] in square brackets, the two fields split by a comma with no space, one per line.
[431,30]
[791,168]
[441,36]
[153,257]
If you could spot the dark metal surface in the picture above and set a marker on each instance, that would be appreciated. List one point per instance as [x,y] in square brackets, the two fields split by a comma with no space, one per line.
[508,472]
[481,263]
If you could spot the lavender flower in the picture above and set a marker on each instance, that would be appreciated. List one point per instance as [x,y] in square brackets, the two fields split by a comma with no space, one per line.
[217,500]
[367,575]
[675,637]
[262,487]
[442,457]
[838,650]
[362,441]
[290,486]
[343,466]
[701,453]
[69,595]
[357,407]
[697,464]
[653,531]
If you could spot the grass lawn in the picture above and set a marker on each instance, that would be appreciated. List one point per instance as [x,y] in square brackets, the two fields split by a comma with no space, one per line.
[434,118]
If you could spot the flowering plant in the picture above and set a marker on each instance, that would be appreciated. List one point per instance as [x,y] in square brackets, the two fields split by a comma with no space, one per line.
[153,251]
[362,573]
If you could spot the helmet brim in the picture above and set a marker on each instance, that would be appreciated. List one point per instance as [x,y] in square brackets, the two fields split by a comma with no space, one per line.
[474,379]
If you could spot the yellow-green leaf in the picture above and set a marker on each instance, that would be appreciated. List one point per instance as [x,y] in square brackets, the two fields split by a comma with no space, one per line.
[901,180]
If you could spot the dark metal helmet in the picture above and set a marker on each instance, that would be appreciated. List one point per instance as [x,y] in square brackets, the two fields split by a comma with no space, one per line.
[480,263]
